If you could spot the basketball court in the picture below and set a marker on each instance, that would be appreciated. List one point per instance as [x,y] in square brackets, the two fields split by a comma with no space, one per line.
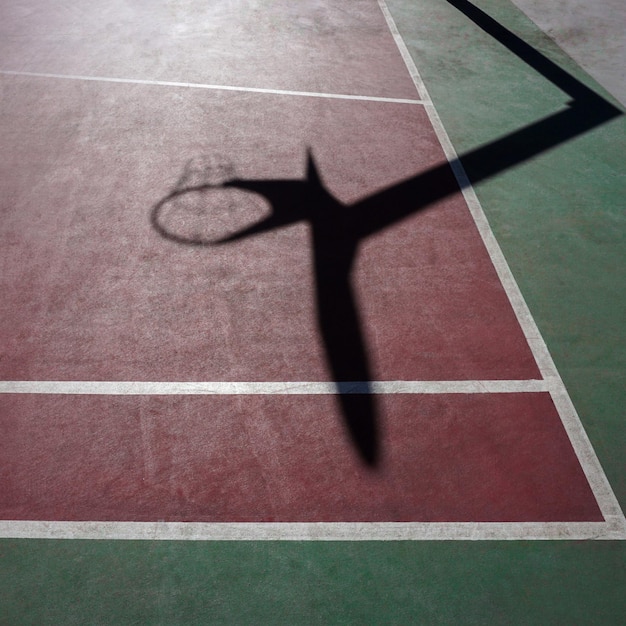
[251,294]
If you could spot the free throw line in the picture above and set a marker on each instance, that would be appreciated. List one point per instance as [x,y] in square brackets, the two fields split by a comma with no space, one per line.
[123,388]
[164,83]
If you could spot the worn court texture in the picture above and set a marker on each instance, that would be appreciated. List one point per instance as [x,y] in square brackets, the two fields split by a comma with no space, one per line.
[194,391]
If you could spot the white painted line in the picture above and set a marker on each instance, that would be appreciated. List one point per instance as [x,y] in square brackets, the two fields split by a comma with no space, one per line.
[571,421]
[164,83]
[123,388]
[599,483]
[612,529]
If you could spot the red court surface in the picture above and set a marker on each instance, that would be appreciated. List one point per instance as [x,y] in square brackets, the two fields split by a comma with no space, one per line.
[92,292]
[478,457]
[104,297]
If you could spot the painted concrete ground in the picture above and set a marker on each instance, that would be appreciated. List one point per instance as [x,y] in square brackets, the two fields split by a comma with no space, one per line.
[591,33]
[559,221]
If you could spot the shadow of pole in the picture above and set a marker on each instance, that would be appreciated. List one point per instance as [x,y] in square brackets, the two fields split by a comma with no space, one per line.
[339,229]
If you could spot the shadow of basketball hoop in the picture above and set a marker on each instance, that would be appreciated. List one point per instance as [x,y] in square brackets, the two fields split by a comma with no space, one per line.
[211,206]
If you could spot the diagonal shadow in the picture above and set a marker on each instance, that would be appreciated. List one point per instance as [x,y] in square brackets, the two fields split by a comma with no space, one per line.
[338,229]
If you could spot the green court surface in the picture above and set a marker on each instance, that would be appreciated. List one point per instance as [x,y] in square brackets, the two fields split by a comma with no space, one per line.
[560,221]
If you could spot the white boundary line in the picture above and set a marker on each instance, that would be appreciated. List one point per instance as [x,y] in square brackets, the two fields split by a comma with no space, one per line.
[123,388]
[164,83]
[578,437]
[321,531]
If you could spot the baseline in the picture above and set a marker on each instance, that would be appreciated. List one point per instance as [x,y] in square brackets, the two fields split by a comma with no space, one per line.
[612,529]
